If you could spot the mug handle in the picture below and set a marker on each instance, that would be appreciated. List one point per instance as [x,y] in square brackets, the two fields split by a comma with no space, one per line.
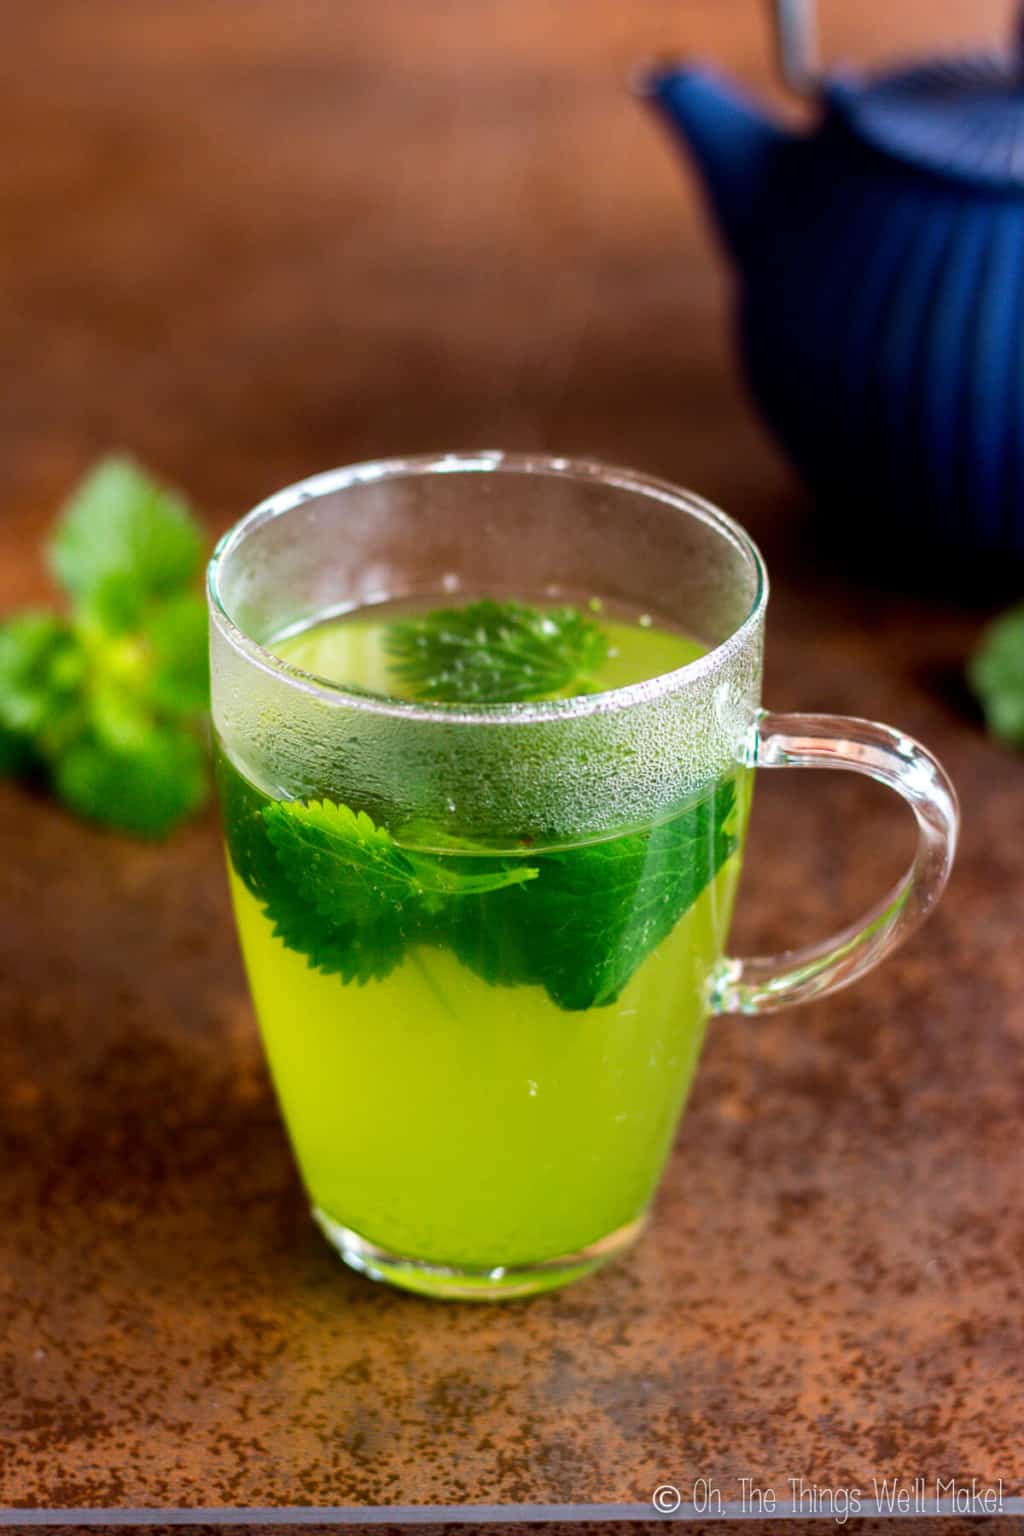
[764,984]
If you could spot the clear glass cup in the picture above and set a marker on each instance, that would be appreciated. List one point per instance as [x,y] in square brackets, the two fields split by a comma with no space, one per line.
[483,1109]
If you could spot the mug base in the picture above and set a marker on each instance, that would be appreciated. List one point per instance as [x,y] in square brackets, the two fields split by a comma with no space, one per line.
[456,1283]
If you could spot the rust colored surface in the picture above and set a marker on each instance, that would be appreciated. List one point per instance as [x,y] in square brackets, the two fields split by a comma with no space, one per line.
[944,1526]
[251,242]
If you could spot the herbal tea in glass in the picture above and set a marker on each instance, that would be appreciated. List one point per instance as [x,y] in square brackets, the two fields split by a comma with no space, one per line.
[485,734]
[481,1050]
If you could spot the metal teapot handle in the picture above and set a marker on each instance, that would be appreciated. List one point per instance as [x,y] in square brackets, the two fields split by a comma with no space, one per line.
[796,43]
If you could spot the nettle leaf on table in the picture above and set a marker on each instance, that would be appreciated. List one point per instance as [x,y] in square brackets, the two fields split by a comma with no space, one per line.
[145,788]
[996,674]
[108,704]
[41,670]
[124,541]
[176,639]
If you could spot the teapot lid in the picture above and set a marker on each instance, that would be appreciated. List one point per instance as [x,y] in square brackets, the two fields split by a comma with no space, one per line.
[960,117]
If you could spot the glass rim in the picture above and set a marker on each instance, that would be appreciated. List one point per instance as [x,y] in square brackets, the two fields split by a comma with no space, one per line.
[475,462]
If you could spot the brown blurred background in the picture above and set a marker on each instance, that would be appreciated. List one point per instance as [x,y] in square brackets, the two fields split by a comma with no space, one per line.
[249,241]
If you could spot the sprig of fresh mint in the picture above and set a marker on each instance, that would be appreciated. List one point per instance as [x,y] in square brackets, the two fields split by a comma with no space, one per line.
[107,703]
[491,652]
[578,922]
[996,675]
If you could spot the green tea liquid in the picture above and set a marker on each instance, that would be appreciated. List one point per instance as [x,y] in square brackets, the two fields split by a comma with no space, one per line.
[467,1123]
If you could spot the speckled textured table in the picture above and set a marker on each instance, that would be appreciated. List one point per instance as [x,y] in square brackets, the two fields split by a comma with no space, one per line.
[252,243]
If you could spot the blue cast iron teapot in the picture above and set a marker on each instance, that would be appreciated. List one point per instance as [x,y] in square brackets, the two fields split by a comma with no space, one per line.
[881,259]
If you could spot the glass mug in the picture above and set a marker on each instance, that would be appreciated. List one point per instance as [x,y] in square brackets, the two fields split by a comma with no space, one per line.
[481,1097]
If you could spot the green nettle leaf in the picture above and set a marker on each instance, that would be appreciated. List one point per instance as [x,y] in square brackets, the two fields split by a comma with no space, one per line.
[495,653]
[178,643]
[108,704]
[348,896]
[338,861]
[41,667]
[123,541]
[357,952]
[578,922]
[145,790]
[16,754]
[598,911]
[996,674]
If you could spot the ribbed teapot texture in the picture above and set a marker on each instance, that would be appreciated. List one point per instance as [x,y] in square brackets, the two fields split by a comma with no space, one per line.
[880,259]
